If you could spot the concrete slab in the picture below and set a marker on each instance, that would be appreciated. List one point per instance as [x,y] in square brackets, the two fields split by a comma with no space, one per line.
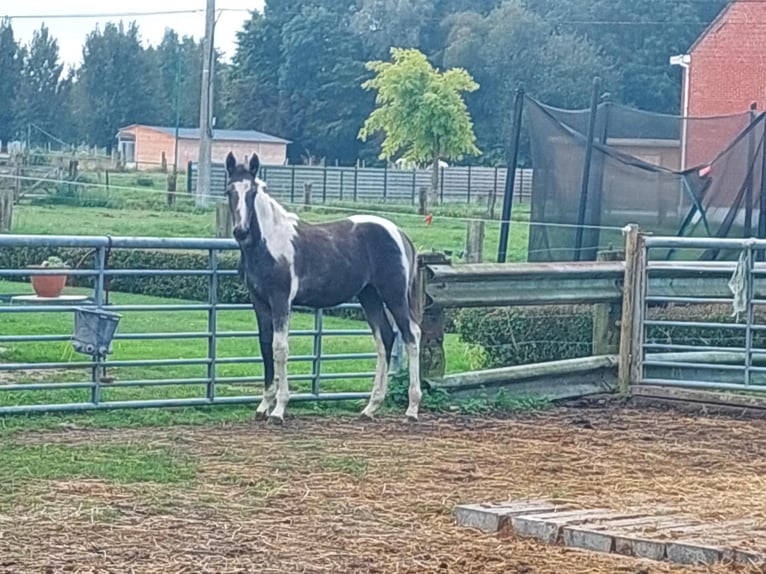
[493,517]
[548,527]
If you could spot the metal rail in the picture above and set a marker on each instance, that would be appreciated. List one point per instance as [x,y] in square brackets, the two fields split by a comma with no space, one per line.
[61,383]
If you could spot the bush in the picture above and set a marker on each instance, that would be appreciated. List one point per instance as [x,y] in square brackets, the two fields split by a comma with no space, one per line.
[524,335]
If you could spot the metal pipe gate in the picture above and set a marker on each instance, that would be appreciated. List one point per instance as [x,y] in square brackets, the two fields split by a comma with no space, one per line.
[32,396]
[705,334]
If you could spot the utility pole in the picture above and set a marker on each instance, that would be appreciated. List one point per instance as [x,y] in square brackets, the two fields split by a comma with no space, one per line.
[205,129]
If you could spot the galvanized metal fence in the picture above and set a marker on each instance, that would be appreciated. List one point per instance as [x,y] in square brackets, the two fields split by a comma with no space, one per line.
[46,383]
[458,184]
[705,332]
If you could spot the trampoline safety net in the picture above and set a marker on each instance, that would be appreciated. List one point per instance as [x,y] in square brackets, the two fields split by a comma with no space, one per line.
[641,172]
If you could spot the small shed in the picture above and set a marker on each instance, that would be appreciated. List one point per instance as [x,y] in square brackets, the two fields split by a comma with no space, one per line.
[143,146]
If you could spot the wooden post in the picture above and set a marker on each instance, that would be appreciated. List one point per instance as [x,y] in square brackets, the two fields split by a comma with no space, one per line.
[307,196]
[431,318]
[223,222]
[164,163]
[171,195]
[6,209]
[474,241]
[631,298]
[423,201]
[491,201]
[606,317]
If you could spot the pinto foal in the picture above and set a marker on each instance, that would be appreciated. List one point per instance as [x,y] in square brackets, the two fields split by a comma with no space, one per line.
[285,261]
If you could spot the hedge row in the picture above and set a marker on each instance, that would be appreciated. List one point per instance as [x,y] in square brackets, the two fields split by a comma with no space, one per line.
[193,288]
[525,335]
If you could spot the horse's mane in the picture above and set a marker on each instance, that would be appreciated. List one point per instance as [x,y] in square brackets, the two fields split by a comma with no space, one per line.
[281,215]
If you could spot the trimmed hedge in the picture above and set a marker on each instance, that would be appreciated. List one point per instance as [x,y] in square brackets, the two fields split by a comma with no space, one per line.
[525,335]
[193,288]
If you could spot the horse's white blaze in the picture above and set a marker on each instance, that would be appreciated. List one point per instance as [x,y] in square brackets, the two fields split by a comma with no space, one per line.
[393,231]
[242,188]
[380,385]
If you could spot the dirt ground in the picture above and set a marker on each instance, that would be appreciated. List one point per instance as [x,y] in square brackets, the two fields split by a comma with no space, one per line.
[337,495]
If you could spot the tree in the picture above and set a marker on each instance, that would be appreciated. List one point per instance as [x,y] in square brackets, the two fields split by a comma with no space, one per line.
[10,72]
[420,110]
[39,95]
[512,46]
[118,83]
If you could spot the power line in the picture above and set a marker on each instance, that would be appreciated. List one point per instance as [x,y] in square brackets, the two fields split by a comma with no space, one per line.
[85,15]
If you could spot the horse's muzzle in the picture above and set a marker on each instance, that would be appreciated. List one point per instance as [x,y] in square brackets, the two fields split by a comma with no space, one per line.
[240,233]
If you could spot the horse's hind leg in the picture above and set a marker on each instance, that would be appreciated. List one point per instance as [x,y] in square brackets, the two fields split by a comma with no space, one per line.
[384,342]
[410,330]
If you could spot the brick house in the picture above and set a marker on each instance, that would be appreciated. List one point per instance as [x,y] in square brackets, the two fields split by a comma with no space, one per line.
[142,147]
[725,72]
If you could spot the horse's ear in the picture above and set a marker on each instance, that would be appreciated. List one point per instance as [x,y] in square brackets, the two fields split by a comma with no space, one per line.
[231,163]
[255,163]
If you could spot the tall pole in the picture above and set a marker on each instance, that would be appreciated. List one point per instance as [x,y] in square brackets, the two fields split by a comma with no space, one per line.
[205,130]
[510,178]
[586,168]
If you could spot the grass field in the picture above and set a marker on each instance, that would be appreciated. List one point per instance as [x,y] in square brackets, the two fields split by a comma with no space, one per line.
[141,214]
[142,219]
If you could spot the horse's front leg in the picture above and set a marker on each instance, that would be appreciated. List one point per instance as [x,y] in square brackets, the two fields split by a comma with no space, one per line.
[281,321]
[266,339]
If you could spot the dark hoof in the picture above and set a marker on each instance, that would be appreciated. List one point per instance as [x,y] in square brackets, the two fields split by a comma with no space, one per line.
[364,417]
[412,419]
[261,416]
[276,421]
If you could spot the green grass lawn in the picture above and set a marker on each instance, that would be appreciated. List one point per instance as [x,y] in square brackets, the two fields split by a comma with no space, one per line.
[142,212]
[446,232]
[175,322]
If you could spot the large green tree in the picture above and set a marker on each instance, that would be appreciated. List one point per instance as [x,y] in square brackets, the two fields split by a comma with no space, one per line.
[39,97]
[10,72]
[420,110]
[512,46]
[118,84]
[638,36]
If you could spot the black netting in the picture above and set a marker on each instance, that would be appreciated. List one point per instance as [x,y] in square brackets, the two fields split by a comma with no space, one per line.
[638,176]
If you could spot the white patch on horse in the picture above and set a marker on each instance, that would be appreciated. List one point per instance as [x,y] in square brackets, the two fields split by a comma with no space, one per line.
[278,229]
[242,188]
[280,350]
[393,231]
[380,385]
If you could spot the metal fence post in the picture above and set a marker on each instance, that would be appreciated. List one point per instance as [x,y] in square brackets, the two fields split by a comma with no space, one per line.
[510,177]
[356,179]
[292,184]
[324,184]
[586,168]
[316,368]
[212,322]
[414,185]
[385,181]
[342,173]
[469,184]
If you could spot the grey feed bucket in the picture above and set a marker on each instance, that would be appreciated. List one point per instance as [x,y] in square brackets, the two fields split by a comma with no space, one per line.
[94,330]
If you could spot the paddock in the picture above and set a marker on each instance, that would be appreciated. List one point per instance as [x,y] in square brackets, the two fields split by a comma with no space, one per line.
[337,495]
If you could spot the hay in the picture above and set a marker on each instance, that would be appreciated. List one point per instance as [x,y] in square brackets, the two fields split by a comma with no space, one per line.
[321,496]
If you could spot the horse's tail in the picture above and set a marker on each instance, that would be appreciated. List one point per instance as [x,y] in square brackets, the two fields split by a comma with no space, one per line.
[412,259]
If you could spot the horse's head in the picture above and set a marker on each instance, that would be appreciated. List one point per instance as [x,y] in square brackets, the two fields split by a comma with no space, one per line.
[241,188]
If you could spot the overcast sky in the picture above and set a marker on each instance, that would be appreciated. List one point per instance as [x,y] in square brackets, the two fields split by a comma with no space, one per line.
[71,32]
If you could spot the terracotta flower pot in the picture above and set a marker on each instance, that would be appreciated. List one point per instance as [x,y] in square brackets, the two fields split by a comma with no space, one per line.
[49,286]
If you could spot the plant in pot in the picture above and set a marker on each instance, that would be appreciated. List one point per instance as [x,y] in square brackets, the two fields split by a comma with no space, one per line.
[49,285]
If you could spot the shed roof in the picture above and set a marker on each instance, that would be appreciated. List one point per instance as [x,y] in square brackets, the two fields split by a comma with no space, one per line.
[218,135]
